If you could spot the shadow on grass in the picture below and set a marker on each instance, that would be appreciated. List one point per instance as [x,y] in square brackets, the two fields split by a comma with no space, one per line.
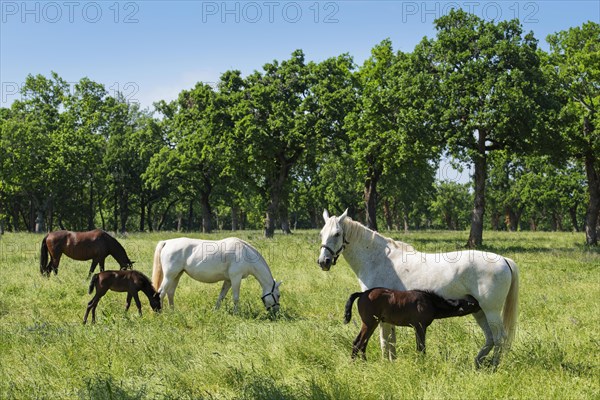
[107,388]
[253,385]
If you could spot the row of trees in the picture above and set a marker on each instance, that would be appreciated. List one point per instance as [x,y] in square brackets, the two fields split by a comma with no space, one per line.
[275,147]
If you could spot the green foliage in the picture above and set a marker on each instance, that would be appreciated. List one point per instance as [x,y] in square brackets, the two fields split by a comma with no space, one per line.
[197,352]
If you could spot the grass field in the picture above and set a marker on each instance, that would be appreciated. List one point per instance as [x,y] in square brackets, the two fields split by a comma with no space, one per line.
[196,352]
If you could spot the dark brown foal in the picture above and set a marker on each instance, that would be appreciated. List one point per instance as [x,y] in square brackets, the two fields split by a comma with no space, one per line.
[129,281]
[416,308]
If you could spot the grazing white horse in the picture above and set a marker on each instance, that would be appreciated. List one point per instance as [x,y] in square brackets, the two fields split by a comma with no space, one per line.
[229,260]
[378,261]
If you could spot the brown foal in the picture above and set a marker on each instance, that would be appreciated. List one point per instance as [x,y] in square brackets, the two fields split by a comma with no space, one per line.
[416,308]
[129,281]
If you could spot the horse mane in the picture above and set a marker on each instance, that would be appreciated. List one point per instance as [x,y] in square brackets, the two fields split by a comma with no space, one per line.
[117,246]
[356,230]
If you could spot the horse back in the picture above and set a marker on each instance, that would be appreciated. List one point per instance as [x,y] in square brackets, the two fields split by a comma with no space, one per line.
[86,245]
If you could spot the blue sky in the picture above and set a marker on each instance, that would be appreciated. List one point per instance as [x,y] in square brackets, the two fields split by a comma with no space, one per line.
[151,50]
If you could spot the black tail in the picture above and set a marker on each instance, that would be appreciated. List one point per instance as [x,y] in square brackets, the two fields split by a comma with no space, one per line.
[348,313]
[93,283]
[43,256]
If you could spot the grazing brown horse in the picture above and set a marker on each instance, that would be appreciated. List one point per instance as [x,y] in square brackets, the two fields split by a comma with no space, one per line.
[93,245]
[416,308]
[122,281]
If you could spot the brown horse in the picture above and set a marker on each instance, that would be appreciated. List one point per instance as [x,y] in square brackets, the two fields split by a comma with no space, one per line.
[416,308]
[93,245]
[122,281]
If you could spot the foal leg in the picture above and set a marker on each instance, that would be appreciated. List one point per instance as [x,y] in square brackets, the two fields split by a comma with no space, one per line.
[420,332]
[128,303]
[224,290]
[482,321]
[388,341]
[93,303]
[367,332]
[137,303]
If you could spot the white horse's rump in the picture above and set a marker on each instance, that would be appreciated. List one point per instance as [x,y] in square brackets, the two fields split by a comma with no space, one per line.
[378,261]
[229,260]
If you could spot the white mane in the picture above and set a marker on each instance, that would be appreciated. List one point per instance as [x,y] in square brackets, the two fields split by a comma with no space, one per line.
[356,230]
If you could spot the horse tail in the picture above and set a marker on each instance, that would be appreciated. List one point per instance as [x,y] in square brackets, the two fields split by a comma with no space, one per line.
[93,283]
[157,271]
[510,312]
[43,256]
[348,312]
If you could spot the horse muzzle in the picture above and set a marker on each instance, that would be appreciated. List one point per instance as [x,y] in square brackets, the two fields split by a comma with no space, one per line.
[325,263]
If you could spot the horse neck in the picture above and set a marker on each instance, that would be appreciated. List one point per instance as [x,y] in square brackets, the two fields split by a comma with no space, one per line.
[117,250]
[260,270]
[148,290]
[365,247]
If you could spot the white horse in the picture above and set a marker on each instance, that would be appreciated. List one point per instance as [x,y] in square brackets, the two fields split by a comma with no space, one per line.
[379,261]
[229,260]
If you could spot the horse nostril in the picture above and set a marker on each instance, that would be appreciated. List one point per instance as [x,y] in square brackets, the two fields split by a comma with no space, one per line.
[328,261]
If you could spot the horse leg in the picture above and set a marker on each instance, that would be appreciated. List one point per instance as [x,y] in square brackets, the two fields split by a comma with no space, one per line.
[367,332]
[494,319]
[101,261]
[236,282]
[93,303]
[420,331]
[54,261]
[224,290]
[137,303]
[388,341]
[168,286]
[482,321]
[128,303]
[355,343]
[92,268]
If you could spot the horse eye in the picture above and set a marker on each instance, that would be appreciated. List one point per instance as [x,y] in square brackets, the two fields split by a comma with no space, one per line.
[337,234]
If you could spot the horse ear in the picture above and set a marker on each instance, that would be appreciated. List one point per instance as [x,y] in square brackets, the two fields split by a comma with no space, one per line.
[325,215]
[344,215]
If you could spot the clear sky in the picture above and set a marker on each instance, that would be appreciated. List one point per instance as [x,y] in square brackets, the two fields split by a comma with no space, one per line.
[151,50]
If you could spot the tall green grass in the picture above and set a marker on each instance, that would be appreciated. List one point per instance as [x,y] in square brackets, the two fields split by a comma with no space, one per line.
[195,352]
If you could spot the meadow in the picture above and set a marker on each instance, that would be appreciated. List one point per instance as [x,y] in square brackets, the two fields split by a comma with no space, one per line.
[195,352]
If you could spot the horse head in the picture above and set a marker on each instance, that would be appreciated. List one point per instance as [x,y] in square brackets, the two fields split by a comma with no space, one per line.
[333,240]
[271,299]
[155,302]
[127,265]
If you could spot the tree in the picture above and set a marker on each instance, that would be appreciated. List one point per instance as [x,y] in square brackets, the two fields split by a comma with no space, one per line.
[390,133]
[194,157]
[450,203]
[575,58]
[491,87]
[284,117]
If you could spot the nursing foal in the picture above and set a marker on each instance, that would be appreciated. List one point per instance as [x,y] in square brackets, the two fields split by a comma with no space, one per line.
[416,308]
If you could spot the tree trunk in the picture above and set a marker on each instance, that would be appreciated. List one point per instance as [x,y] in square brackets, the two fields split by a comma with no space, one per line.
[573,215]
[235,209]
[387,215]
[270,216]
[90,221]
[142,212]
[189,227]
[284,218]
[476,234]
[405,220]
[593,209]
[124,208]
[206,211]
[370,197]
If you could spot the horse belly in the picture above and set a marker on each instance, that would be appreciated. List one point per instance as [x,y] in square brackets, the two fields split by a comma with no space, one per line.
[208,275]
